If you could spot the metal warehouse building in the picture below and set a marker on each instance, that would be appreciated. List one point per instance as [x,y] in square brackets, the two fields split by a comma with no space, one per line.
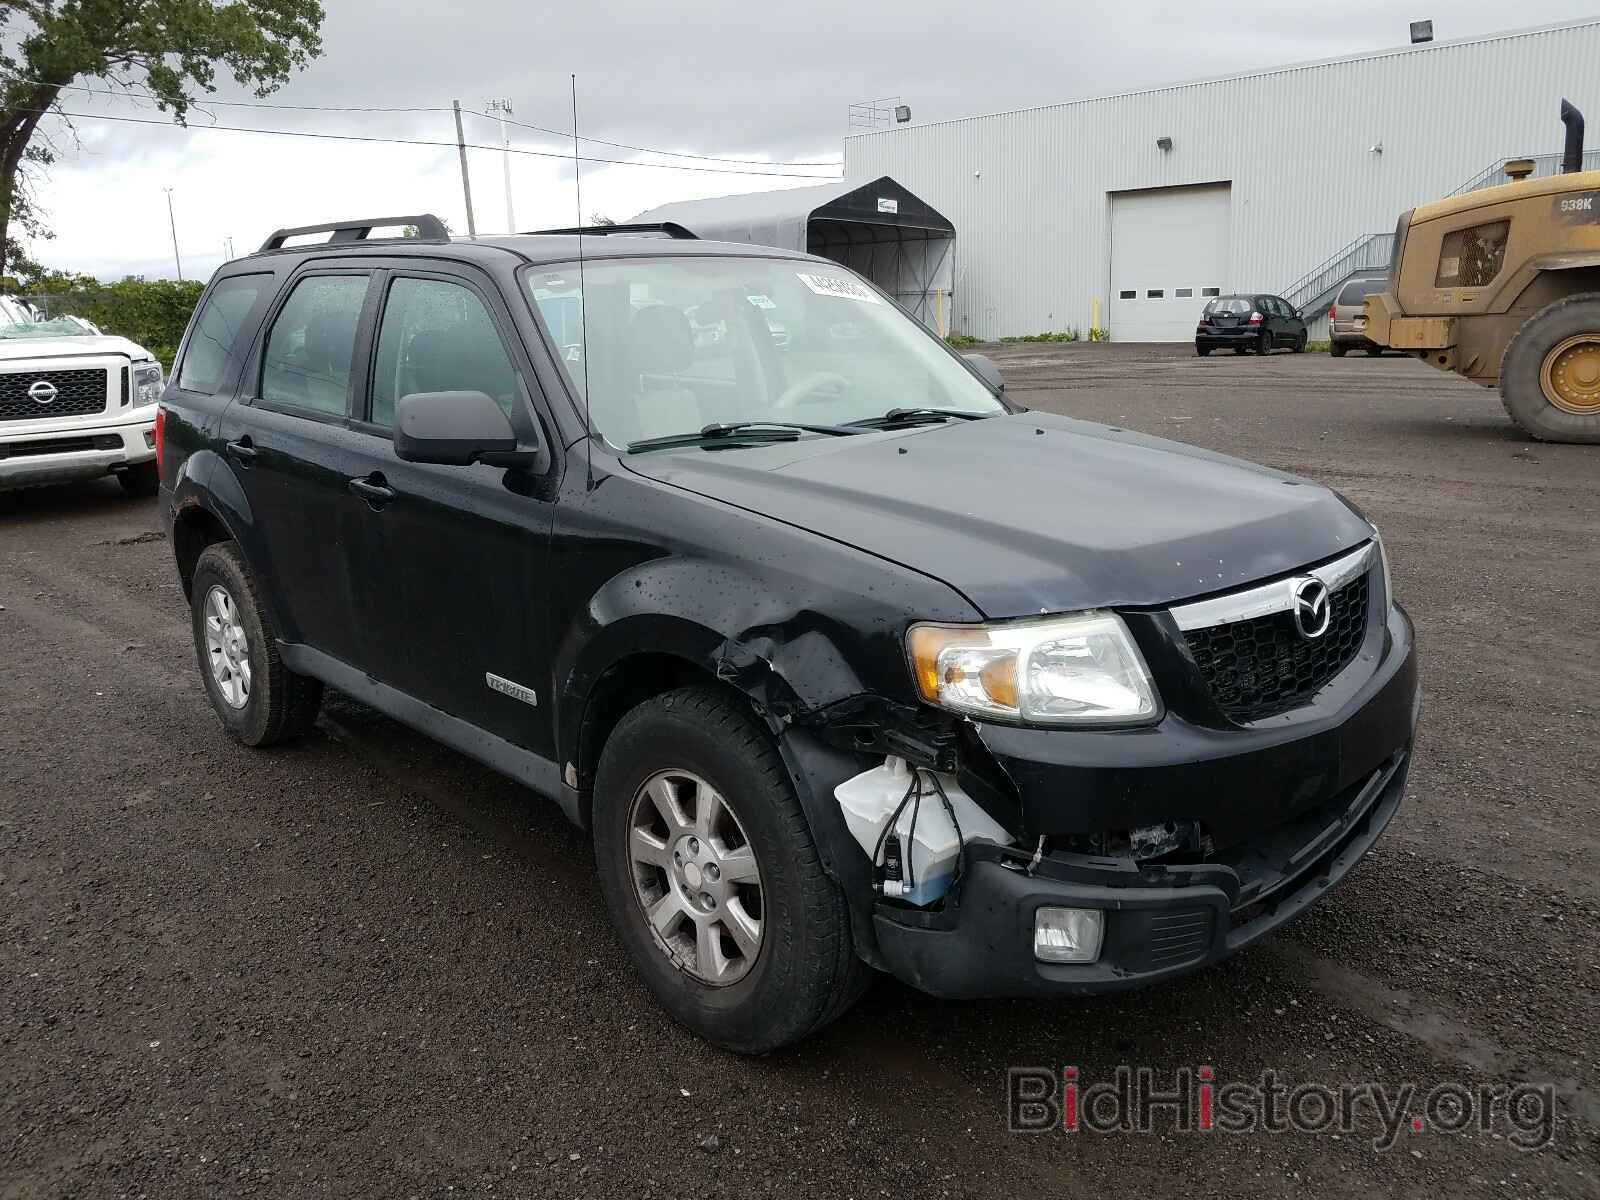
[1288,180]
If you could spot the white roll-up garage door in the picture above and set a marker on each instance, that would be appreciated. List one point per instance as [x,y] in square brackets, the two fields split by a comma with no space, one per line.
[1169,251]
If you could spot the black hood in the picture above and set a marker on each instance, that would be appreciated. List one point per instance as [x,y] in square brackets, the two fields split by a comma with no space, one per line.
[1032,512]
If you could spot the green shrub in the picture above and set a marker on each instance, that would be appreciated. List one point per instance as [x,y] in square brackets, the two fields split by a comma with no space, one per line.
[1316,347]
[1069,334]
[962,341]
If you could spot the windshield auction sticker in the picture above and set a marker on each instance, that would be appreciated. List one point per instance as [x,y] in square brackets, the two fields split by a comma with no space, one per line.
[841,286]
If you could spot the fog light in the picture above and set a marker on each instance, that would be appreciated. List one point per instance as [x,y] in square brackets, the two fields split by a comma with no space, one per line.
[1068,935]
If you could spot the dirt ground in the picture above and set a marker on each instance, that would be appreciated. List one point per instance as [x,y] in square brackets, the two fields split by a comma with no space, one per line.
[365,966]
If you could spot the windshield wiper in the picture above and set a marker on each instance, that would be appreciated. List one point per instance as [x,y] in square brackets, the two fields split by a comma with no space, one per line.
[741,431]
[918,416]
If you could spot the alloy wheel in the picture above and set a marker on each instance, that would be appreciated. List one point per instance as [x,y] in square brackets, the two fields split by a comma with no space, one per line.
[227,648]
[695,877]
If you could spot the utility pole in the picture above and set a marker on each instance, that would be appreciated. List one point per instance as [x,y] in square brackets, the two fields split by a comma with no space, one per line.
[172,221]
[502,110]
[466,183]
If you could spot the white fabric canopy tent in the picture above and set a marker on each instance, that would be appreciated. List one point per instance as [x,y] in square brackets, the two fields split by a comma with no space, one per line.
[878,229]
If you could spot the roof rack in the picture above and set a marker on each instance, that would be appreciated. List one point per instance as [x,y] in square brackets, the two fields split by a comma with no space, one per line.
[669,229]
[429,229]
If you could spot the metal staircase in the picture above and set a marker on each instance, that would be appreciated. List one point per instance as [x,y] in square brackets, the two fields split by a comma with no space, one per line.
[1316,288]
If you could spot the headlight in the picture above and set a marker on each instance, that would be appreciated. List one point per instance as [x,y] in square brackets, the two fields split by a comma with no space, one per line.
[147,383]
[1081,669]
[1383,562]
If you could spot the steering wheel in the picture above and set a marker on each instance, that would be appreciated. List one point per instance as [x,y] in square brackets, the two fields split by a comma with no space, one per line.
[804,389]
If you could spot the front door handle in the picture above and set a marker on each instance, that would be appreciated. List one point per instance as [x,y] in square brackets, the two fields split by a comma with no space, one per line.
[373,489]
[242,451]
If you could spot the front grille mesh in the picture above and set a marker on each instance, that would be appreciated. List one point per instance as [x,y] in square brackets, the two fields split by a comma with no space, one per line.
[78,393]
[1261,667]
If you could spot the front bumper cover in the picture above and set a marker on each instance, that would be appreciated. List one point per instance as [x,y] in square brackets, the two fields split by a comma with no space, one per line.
[68,453]
[1183,918]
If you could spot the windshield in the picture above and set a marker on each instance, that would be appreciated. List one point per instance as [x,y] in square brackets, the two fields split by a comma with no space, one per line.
[1230,304]
[56,327]
[676,344]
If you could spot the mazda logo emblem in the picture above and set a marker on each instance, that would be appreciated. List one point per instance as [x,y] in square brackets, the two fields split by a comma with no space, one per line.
[42,391]
[1313,607]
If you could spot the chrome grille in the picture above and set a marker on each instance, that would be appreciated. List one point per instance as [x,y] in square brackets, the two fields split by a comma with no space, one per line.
[78,393]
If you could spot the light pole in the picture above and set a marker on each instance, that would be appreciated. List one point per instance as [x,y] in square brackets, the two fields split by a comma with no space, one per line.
[502,109]
[172,222]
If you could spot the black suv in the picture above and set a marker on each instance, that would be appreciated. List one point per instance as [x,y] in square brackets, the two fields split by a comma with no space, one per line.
[845,660]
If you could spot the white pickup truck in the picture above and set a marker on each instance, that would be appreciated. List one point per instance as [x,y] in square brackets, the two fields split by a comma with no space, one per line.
[74,404]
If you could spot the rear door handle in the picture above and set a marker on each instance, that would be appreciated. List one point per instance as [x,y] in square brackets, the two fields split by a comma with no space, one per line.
[242,452]
[373,489]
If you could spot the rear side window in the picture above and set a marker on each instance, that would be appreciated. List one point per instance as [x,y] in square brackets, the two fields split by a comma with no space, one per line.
[1357,290]
[309,352]
[214,342]
[437,336]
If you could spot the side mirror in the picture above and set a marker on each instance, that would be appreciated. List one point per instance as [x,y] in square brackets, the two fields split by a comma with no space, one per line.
[986,370]
[457,429]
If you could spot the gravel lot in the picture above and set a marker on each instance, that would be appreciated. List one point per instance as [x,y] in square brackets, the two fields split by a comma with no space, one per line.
[365,966]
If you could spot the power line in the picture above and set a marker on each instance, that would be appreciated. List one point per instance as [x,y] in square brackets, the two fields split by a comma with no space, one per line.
[441,108]
[352,137]
[754,162]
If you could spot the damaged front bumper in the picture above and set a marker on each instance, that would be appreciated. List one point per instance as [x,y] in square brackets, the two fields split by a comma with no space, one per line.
[1293,807]
[1159,922]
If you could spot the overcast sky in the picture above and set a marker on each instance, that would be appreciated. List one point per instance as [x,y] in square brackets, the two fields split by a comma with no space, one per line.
[718,77]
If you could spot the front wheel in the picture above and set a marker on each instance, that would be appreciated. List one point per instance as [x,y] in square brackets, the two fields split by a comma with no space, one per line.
[712,878]
[1550,376]
[1300,345]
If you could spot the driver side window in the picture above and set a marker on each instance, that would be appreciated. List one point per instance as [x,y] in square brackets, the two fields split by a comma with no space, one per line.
[437,336]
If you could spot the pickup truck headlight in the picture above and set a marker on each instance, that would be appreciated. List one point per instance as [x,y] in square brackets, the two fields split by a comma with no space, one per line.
[147,383]
[1080,669]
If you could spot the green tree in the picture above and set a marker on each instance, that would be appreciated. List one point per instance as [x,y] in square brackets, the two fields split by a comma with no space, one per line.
[167,49]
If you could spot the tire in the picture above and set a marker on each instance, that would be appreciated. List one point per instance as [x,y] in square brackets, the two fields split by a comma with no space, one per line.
[143,480]
[804,971]
[1300,345]
[277,705]
[1202,351]
[1338,349]
[1241,350]
[1522,389]
[1264,343]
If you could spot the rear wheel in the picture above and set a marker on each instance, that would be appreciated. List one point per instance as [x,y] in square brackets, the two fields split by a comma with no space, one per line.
[1338,349]
[712,879]
[142,481]
[1202,351]
[258,699]
[1550,376]
[1264,343]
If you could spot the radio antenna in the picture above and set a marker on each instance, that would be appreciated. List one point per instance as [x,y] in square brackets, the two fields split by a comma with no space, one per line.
[583,297]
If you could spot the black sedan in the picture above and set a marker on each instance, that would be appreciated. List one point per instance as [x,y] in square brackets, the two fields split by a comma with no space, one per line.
[1249,322]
